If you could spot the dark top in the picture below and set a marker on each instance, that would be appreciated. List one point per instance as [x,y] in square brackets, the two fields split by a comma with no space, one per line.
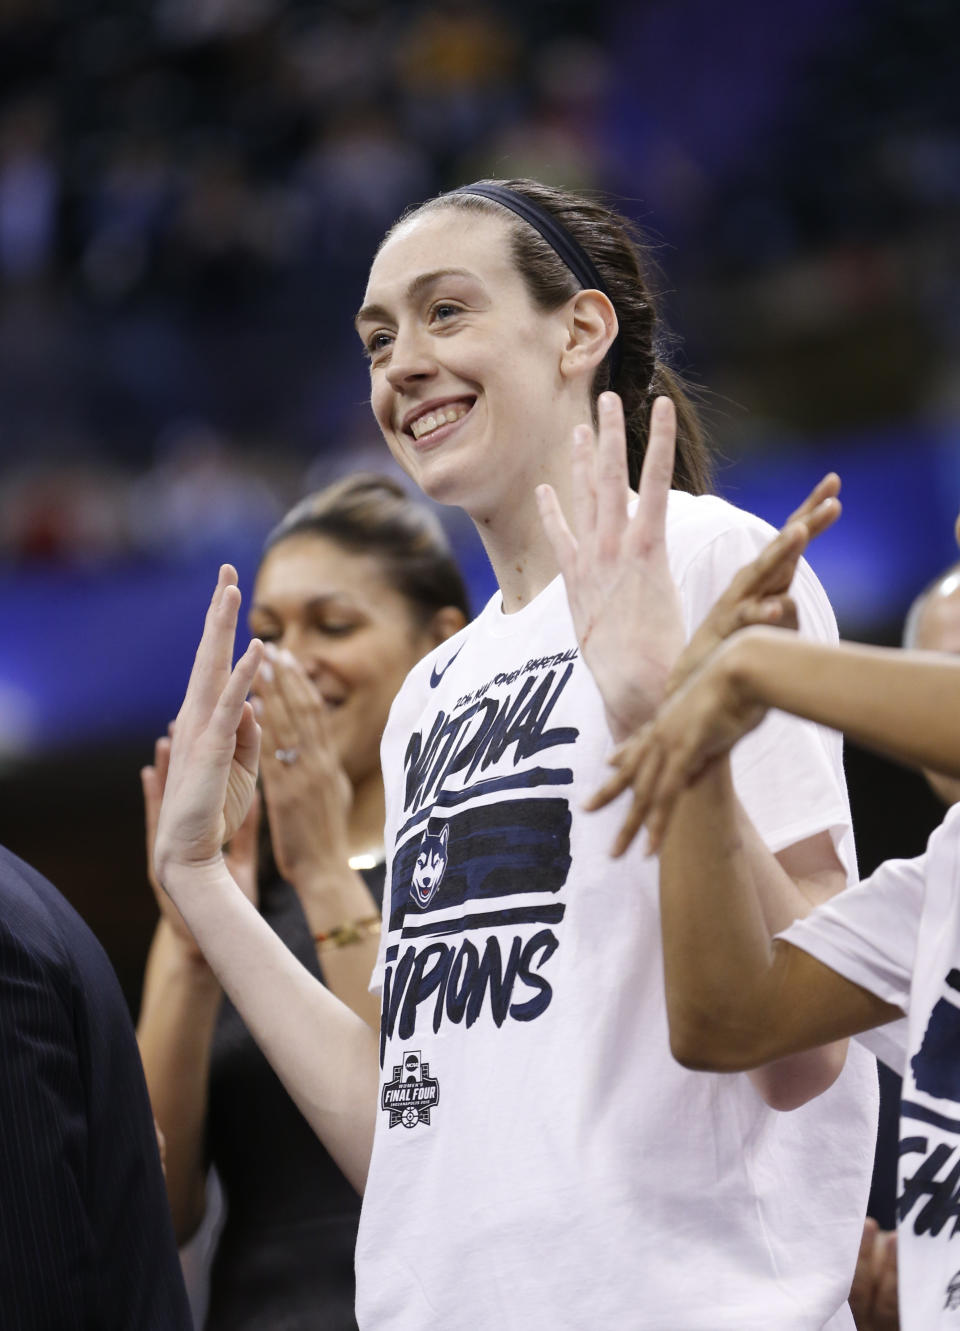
[284,1261]
[86,1240]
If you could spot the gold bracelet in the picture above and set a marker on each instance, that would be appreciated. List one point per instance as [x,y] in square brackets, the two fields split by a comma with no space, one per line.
[353,931]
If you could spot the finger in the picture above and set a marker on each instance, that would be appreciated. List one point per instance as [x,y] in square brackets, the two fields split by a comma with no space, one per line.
[678,773]
[773,569]
[825,489]
[273,711]
[822,517]
[161,761]
[611,788]
[777,610]
[304,705]
[656,477]
[211,666]
[272,769]
[625,759]
[645,782]
[613,485]
[264,676]
[232,711]
[247,752]
[783,612]
[151,811]
[555,528]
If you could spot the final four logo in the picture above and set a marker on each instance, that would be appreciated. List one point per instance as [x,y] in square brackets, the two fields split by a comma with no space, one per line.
[412,1093]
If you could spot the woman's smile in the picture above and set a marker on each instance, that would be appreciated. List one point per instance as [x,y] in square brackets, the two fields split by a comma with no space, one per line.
[427,423]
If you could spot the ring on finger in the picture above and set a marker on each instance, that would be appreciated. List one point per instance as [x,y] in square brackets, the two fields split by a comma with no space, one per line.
[286,756]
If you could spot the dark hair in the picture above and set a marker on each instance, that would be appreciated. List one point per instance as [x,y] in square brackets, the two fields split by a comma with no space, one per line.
[373,515]
[621,257]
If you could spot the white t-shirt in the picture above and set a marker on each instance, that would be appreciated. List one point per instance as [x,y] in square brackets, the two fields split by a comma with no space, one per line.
[540,1161]
[898,935]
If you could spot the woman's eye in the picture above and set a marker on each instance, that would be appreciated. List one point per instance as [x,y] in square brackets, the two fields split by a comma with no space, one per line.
[444,310]
[376,344]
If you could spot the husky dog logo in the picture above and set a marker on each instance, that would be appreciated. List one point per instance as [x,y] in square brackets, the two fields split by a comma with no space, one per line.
[412,1093]
[431,863]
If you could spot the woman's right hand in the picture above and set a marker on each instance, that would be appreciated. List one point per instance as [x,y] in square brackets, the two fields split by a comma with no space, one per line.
[760,592]
[307,792]
[707,708]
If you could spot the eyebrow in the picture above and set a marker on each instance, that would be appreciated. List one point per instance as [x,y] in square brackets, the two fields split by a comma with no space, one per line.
[415,289]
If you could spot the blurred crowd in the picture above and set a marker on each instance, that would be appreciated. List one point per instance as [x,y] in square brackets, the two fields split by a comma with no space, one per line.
[190,191]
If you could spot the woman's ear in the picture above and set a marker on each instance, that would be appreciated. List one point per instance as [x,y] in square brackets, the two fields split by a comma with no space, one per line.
[445,623]
[591,327]
[956,530]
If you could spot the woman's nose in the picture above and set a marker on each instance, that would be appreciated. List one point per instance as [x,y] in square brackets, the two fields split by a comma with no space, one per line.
[410,358]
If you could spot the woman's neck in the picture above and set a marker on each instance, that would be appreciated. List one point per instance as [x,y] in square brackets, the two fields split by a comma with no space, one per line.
[367,817]
[513,536]
[523,567]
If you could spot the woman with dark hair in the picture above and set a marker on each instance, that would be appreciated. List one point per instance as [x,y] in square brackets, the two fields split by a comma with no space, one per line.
[535,1156]
[355,585]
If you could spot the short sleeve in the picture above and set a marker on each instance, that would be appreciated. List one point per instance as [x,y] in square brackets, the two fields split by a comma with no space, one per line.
[788,772]
[869,933]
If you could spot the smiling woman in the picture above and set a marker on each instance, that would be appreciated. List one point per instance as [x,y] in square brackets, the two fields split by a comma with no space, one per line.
[533,1156]
[355,585]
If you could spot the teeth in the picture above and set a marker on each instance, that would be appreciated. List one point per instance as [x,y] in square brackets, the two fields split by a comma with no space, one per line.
[424,425]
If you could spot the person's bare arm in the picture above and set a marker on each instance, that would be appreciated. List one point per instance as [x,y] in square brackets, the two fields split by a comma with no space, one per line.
[736,1000]
[903,704]
[326,1056]
[178,1012]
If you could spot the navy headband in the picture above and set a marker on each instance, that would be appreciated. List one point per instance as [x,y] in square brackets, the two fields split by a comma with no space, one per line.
[561,241]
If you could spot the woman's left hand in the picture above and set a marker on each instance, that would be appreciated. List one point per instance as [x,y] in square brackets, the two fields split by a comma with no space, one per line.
[307,792]
[625,607]
[216,746]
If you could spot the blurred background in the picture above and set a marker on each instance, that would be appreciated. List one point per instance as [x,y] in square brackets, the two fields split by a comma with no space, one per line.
[190,194]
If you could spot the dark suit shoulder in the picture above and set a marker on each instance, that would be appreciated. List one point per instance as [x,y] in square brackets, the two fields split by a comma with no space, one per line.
[79,1166]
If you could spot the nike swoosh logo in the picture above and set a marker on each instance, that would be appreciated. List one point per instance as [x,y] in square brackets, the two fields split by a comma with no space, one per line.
[436,675]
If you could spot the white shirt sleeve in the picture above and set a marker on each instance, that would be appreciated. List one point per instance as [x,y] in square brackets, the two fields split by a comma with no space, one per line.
[869,933]
[889,1043]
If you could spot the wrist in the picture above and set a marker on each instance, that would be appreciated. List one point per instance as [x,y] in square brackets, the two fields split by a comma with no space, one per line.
[331,896]
[180,955]
[742,663]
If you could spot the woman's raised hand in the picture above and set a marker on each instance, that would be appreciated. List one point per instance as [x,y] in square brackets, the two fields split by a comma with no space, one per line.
[212,771]
[625,607]
[240,855]
[698,723]
[708,709]
[307,792]
[759,592]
